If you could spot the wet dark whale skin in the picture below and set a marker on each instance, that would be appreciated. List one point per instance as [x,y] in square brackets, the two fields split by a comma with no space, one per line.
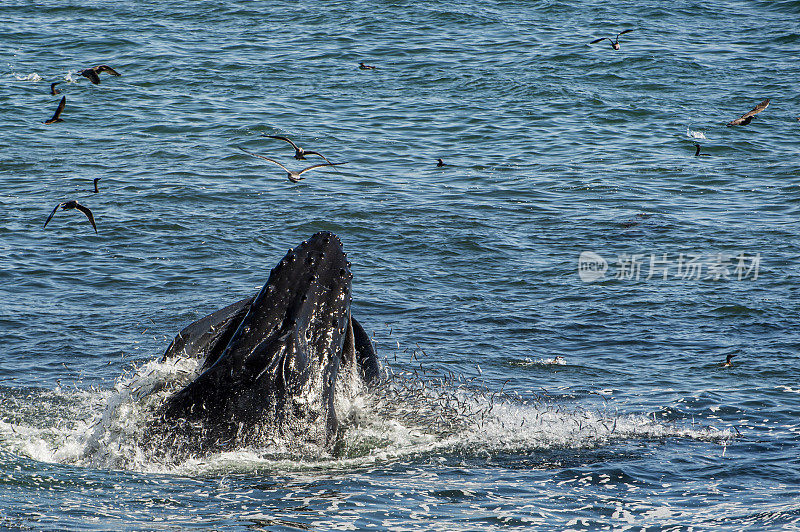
[272,360]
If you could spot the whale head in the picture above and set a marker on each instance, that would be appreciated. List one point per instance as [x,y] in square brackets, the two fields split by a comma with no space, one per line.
[271,362]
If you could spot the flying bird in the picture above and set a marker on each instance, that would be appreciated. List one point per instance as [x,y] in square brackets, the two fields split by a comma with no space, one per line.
[59,109]
[94,73]
[749,115]
[362,66]
[67,205]
[53,89]
[614,43]
[294,177]
[299,153]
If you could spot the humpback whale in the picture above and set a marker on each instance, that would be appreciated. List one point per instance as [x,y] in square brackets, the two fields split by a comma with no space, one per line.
[271,361]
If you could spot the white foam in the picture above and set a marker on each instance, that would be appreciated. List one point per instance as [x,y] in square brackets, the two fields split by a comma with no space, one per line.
[695,134]
[403,417]
[27,77]
[106,437]
[557,360]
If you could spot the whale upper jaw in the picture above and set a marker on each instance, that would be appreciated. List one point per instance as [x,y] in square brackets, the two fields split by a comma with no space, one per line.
[271,361]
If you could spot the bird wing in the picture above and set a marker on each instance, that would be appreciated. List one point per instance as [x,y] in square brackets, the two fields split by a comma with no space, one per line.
[265,158]
[284,138]
[757,109]
[88,213]
[52,213]
[106,68]
[91,74]
[317,166]
[317,153]
[600,39]
[623,32]
[60,108]
[749,114]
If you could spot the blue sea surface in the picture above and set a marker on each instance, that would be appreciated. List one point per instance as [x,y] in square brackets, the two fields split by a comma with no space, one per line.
[525,389]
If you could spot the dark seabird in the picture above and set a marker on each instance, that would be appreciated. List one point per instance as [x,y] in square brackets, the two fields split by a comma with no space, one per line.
[294,177]
[57,114]
[697,152]
[299,153]
[615,43]
[440,163]
[728,362]
[53,89]
[67,205]
[627,224]
[749,115]
[362,66]
[94,73]
[96,179]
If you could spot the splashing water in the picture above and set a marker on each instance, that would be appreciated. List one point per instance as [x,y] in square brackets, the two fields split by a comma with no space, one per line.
[695,134]
[557,360]
[27,77]
[403,415]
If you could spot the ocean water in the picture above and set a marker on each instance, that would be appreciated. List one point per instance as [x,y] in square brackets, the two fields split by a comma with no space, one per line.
[520,392]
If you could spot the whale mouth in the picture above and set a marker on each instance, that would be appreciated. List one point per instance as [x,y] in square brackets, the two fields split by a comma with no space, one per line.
[271,361]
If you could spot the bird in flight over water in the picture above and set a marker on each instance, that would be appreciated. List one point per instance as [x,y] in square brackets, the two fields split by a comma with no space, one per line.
[94,73]
[293,176]
[59,109]
[614,43]
[299,153]
[67,205]
[749,115]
